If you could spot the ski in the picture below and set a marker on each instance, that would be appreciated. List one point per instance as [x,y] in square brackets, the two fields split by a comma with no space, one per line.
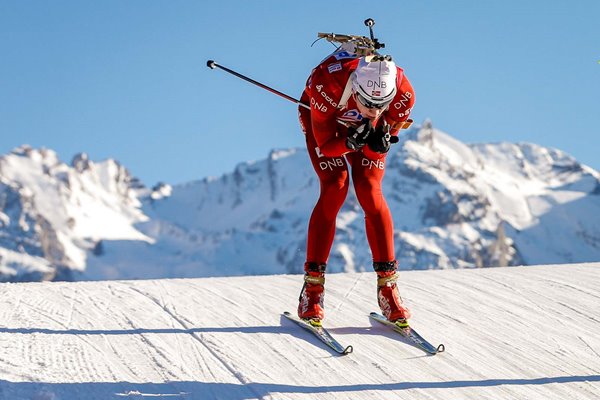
[321,333]
[410,334]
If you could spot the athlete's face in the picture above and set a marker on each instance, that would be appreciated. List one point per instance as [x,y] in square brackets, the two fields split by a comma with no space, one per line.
[371,113]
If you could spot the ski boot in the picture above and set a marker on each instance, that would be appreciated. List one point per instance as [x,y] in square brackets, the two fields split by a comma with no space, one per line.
[389,299]
[310,307]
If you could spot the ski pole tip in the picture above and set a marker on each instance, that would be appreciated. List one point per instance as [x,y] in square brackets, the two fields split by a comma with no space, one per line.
[211,64]
[369,22]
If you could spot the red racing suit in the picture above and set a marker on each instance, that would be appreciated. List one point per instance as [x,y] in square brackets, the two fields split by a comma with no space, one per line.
[326,144]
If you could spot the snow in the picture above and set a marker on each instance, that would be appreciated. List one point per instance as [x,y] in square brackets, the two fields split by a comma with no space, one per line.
[12,260]
[510,333]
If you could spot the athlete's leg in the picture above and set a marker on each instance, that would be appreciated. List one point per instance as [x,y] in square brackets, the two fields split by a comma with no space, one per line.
[367,176]
[334,183]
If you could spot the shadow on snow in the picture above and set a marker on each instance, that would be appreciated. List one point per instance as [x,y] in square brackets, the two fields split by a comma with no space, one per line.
[235,391]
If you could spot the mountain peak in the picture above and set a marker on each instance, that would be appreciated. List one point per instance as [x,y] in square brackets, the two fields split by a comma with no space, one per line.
[40,155]
[80,162]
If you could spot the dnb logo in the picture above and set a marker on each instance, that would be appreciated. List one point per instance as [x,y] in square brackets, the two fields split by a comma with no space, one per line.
[378,164]
[351,116]
[329,163]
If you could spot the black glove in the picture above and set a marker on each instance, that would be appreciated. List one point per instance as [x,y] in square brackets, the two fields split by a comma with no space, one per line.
[381,140]
[358,137]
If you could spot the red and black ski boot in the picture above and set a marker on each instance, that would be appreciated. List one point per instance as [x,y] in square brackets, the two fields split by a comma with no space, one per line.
[389,299]
[310,305]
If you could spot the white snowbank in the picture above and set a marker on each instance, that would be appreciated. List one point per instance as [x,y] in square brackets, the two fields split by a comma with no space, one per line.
[510,333]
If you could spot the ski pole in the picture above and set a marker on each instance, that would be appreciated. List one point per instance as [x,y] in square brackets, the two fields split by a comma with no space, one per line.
[212,65]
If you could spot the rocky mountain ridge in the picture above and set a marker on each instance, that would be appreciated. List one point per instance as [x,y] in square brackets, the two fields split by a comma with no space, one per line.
[454,206]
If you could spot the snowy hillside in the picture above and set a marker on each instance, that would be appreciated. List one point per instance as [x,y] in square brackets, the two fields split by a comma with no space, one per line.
[510,333]
[53,215]
[454,205]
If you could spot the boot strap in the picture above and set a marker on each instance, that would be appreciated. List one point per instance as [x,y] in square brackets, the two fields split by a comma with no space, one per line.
[314,280]
[384,281]
[387,266]
[315,267]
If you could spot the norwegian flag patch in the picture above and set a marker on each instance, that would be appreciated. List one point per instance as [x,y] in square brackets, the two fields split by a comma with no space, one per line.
[334,67]
[376,93]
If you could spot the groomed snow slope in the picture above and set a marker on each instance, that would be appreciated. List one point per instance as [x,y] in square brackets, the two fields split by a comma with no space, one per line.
[510,333]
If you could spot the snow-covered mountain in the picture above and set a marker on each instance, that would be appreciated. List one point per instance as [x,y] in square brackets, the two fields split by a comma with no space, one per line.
[525,333]
[454,205]
[53,216]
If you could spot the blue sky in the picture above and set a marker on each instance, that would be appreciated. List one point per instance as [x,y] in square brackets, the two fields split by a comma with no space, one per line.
[128,79]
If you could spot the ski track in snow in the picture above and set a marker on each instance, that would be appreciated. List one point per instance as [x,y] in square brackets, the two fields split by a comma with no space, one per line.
[510,333]
[203,341]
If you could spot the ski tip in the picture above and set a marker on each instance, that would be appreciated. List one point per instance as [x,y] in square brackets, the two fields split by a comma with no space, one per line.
[348,350]
[436,350]
[289,315]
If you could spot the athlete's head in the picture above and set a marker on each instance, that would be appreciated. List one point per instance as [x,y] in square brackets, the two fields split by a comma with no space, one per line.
[374,81]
